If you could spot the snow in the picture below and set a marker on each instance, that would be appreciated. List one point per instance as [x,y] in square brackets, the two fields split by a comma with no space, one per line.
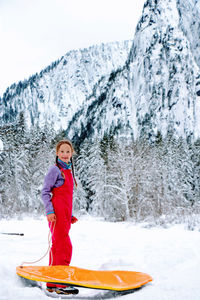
[1,146]
[170,255]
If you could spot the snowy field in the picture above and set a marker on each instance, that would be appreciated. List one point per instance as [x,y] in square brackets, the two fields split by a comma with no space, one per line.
[171,256]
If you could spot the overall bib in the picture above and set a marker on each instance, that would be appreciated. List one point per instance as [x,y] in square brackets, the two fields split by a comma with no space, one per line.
[61,250]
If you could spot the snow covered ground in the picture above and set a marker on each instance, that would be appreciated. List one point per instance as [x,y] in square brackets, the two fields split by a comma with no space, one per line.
[171,256]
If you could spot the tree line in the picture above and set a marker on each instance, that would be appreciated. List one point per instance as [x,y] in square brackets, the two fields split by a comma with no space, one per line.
[138,180]
[118,178]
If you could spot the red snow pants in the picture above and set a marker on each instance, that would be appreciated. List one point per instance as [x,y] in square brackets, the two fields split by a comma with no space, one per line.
[61,250]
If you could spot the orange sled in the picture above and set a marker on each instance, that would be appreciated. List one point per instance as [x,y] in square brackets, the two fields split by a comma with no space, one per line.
[105,280]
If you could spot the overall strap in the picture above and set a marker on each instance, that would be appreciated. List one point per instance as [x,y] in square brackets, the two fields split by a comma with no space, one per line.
[61,170]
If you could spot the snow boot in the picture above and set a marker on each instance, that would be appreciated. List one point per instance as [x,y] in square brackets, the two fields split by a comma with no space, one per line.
[65,290]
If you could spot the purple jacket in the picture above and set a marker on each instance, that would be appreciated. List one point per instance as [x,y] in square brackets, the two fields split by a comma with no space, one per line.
[52,179]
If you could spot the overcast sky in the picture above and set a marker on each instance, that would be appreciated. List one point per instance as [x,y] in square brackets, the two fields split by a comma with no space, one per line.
[34,33]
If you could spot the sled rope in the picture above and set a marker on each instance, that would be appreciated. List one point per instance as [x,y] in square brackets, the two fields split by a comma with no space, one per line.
[50,235]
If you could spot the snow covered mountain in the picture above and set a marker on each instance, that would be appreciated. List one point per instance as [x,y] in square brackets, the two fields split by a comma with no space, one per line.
[155,90]
[149,89]
[56,93]
[164,72]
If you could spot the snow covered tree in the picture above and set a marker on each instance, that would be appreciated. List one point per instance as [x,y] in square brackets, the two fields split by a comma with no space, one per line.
[90,170]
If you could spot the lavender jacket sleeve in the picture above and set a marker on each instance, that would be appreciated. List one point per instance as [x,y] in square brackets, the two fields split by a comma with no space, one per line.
[49,183]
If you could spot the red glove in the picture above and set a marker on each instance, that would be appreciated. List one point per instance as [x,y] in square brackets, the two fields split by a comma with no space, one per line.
[73,219]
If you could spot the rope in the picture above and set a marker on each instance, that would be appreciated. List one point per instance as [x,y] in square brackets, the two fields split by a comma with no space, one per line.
[50,242]
[50,235]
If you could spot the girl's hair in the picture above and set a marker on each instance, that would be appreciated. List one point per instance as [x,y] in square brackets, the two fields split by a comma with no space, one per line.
[59,144]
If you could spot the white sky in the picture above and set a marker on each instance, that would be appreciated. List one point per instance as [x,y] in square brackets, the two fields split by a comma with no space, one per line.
[34,33]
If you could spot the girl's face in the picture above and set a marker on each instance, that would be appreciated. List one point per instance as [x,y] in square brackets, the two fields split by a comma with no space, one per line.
[64,153]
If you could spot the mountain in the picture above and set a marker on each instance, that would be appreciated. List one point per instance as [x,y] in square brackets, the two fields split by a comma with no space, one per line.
[57,92]
[155,91]
[149,88]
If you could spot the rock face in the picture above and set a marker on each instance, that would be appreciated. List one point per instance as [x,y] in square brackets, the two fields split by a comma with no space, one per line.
[163,72]
[149,89]
[189,21]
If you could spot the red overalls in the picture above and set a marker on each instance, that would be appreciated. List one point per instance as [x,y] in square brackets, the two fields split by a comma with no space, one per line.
[61,250]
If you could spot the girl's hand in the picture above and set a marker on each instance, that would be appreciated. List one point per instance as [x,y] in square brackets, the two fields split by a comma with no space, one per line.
[51,218]
[73,219]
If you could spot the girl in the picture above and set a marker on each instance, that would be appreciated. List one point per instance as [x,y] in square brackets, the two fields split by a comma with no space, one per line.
[57,194]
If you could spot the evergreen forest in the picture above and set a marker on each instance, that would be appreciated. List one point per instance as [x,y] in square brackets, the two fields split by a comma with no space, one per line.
[119,179]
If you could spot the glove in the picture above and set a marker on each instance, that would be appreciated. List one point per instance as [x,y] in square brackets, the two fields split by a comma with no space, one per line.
[73,219]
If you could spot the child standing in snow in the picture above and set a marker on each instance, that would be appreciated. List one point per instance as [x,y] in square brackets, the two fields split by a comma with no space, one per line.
[57,195]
